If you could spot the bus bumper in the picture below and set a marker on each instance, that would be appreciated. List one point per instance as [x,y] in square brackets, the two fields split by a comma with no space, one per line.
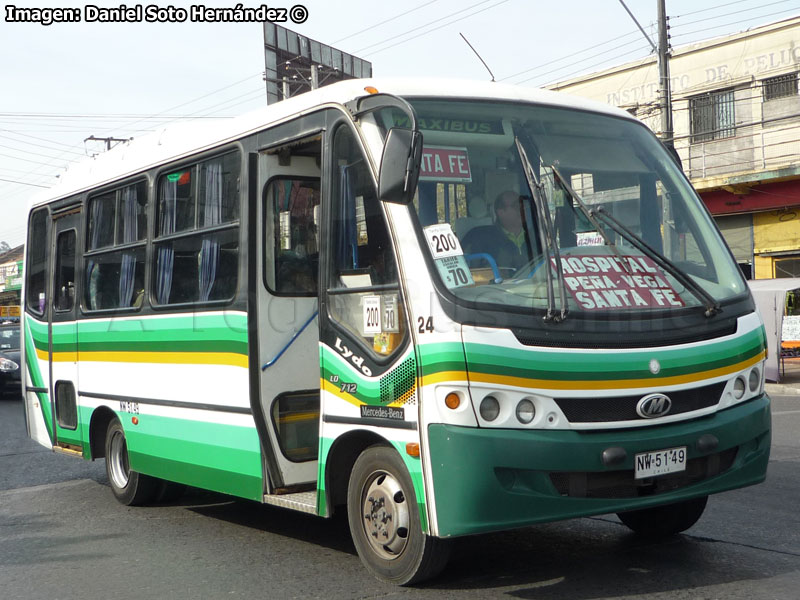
[494,479]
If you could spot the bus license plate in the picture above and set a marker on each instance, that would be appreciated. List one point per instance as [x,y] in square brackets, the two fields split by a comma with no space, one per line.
[660,462]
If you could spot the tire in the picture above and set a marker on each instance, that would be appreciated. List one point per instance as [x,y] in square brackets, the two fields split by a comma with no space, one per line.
[663,521]
[129,487]
[385,524]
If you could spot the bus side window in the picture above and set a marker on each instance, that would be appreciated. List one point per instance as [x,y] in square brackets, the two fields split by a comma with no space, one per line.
[361,254]
[196,250]
[292,213]
[65,271]
[116,225]
[36,262]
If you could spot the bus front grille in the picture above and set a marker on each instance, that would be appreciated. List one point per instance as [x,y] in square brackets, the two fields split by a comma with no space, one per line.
[623,408]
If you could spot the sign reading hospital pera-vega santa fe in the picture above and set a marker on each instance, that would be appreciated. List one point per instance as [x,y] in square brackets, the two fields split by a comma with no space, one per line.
[598,282]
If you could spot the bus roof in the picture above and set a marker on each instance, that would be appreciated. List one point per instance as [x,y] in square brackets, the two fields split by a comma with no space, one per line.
[183,139]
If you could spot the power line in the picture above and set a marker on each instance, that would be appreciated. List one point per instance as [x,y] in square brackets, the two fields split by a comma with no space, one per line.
[394,37]
[397,16]
[5,168]
[247,97]
[705,30]
[730,14]
[574,54]
[99,116]
[694,12]
[70,147]
[584,68]
[438,28]
[31,153]
[24,183]
[32,161]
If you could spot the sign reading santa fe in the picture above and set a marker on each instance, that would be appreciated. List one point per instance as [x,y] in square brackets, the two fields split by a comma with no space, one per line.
[606,282]
[441,163]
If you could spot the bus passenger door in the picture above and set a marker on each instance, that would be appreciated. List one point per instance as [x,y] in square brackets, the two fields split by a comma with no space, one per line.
[288,334]
[368,365]
[63,331]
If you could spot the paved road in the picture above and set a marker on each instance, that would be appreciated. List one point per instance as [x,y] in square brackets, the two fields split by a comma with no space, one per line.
[63,536]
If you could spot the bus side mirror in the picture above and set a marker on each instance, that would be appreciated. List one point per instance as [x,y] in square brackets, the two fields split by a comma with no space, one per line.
[402,154]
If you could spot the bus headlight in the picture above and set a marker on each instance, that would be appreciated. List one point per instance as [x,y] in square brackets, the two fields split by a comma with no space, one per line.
[739,388]
[526,411]
[490,408]
[754,379]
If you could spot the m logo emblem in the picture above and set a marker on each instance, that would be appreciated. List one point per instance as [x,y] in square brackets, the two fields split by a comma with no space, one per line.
[653,405]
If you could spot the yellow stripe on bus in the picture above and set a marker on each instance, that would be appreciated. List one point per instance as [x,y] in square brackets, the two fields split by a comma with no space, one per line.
[336,390]
[611,383]
[172,358]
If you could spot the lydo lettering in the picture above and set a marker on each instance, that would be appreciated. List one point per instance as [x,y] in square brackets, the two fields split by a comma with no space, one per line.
[358,361]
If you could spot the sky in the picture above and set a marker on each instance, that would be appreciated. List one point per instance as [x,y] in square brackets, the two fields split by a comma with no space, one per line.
[64,82]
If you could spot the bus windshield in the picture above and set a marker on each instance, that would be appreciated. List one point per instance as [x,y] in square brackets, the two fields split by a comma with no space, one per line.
[601,198]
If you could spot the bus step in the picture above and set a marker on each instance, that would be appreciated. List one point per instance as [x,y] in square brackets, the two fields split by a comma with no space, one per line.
[303,501]
[68,449]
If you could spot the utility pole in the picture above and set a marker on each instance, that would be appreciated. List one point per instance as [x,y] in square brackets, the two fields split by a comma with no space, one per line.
[662,51]
[667,132]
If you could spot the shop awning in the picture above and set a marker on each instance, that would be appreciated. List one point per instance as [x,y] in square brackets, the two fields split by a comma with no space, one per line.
[770,298]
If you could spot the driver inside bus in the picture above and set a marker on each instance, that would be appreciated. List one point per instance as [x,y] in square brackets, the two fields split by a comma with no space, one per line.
[506,240]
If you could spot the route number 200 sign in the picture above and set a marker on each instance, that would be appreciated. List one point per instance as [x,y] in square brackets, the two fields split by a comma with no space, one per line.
[448,255]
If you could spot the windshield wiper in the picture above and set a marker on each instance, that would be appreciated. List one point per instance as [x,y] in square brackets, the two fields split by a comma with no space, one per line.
[546,237]
[711,305]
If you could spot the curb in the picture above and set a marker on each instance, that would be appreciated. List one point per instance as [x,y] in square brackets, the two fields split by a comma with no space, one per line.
[779,389]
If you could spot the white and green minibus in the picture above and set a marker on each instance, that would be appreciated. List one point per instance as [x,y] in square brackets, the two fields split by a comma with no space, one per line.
[446,308]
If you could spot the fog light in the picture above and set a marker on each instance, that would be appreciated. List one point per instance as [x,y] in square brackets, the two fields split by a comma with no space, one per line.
[738,387]
[525,411]
[754,381]
[490,408]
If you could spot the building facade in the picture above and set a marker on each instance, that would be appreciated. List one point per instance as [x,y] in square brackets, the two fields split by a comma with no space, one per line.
[736,115]
[10,283]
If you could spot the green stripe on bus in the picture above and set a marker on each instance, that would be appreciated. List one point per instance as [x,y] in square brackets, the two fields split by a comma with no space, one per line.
[396,383]
[584,366]
[413,465]
[37,333]
[32,364]
[199,333]
[437,358]
[223,458]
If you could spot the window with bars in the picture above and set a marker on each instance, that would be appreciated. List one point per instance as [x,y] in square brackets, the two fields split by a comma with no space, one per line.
[713,116]
[781,86]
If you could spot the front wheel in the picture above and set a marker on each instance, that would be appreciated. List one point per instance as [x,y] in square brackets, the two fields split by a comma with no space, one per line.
[129,487]
[385,523]
[663,521]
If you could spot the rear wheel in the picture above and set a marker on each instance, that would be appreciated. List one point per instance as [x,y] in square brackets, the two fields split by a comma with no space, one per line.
[129,487]
[384,521]
[663,521]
